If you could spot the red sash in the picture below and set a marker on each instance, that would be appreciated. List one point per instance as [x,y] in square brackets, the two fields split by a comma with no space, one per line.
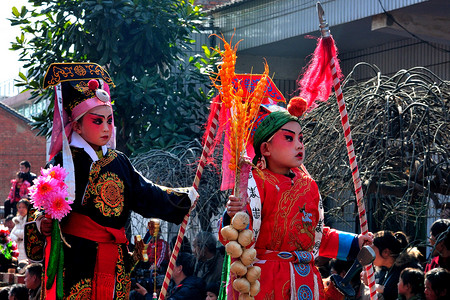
[108,240]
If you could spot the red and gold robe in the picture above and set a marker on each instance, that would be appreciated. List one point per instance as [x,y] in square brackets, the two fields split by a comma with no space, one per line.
[292,235]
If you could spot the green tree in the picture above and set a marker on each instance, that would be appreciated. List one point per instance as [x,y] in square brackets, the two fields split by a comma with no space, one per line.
[142,44]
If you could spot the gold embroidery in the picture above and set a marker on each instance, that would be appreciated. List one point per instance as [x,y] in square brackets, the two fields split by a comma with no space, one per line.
[81,291]
[123,282]
[79,70]
[105,190]
[289,200]
[60,72]
[109,189]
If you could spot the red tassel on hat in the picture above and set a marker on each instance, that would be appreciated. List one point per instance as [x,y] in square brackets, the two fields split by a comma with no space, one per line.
[316,82]
[93,84]
[297,106]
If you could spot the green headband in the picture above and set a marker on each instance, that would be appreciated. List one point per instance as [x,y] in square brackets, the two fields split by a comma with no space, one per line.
[267,128]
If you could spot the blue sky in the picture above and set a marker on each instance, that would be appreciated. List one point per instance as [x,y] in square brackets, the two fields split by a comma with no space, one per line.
[8,59]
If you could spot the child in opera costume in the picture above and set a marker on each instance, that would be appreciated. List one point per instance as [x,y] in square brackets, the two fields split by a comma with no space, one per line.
[286,212]
[107,188]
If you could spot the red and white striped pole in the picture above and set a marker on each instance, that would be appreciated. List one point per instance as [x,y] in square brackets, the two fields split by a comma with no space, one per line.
[354,168]
[350,149]
[205,152]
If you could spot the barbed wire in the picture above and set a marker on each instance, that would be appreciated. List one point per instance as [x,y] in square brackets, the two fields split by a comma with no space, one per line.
[400,130]
[176,167]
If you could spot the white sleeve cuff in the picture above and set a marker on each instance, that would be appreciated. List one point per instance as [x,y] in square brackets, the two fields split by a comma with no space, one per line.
[193,194]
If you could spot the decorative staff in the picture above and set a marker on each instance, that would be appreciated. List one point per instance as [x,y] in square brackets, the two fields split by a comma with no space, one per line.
[208,140]
[327,50]
[153,227]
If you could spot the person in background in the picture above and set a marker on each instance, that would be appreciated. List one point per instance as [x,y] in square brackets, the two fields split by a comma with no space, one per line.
[9,222]
[25,167]
[18,291]
[184,247]
[186,285]
[440,241]
[4,293]
[147,295]
[437,283]
[209,259]
[162,250]
[33,273]
[19,190]
[392,256]
[17,233]
[212,290]
[411,285]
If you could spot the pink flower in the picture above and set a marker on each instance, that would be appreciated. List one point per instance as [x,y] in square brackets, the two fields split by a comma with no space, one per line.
[50,192]
[58,207]
[55,172]
[43,189]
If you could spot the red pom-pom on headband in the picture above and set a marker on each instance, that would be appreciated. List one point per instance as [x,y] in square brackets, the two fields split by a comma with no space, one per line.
[297,106]
[93,84]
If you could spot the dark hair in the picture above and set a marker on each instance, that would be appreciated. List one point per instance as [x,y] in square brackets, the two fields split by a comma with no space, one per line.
[21,175]
[439,279]
[413,277]
[213,287]
[9,217]
[26,164]
[34,269]
[185,244]
[340,265]
[206,240]
[4,293]
[186,260]
[395,242]
[24,201]
[19,291]
[439,226]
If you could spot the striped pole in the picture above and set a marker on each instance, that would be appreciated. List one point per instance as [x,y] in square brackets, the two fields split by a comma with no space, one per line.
[354,168]
[182,230]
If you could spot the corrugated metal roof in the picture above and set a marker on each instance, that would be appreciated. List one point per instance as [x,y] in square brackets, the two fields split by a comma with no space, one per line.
[261,22]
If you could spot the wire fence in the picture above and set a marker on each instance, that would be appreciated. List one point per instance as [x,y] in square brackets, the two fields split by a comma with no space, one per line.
[400,130]
[176,167]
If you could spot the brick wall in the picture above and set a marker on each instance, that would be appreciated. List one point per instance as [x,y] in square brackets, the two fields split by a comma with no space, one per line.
[17,143]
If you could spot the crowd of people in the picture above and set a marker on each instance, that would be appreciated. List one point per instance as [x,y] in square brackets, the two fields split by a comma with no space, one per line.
[402,272]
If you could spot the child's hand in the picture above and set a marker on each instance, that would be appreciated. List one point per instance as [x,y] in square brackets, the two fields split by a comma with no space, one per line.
[234,205]
[366,239]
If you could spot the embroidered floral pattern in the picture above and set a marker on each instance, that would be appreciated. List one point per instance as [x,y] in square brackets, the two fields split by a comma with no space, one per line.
[34,244]
[286,206]
[123,283]
[81,291]
[105,190]
[109,190]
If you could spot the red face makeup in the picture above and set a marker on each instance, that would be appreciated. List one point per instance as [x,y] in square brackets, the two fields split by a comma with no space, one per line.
[285,149]
[96,126]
